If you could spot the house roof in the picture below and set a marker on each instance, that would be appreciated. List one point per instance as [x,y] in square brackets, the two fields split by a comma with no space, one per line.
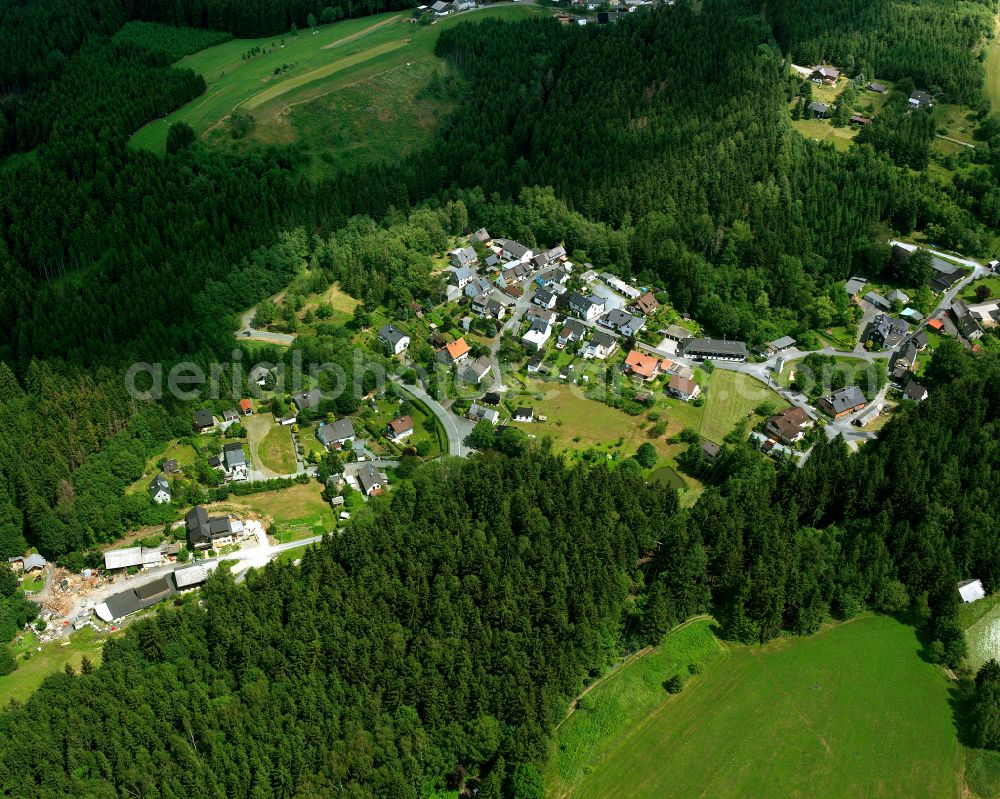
[921,97]
[391,334]
[514,248]
[305,400]
[246,405]
[33,561]
[854,285]
[159,484]
[935,324]
[369,477]
[203,418]
[845,399]
[876,87]
[782,343]
[193,575]
[641,364]
[136,599]
[233,455]
[715,345]
[479,412]
[492,398]
[819,108]
[646,304]
[827,72]
[602,339]
[524,412]
[481,235]
[876,299]
[682,385]
[456,349]
[336,432]
[401,424]
[914,391]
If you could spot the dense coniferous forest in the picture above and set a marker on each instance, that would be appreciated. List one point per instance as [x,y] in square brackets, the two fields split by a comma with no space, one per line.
[444,636]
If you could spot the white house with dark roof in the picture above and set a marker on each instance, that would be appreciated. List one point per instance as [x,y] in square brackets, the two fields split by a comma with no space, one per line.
[586,307]
[514,250]
[159,489]
[336,434]
[393,339]
[234,461]
[600,346]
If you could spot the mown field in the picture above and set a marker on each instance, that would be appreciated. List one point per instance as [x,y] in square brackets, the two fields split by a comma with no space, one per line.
[852,711]
[296,512]
[53,657]
[380,69]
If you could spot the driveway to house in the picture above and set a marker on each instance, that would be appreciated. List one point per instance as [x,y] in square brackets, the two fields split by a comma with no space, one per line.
[456,428]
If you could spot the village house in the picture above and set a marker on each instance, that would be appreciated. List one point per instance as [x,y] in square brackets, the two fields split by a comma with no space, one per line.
[307,400]
[476,371]
[898,296]
[478,287]
[915,392]
[573,330]
[920,99]
[843,402]
[683,388]
[854,286]
[623,323]
[204,532]
[878,88]
[454,352]
[463,257]
[203,420]
[234,461]
[171,466]
[399,428]
[393,339]
[459,277]
[482,236]
[600,346]
[336,434]
[638,364]
[230,415]
[825,74]
[645,305]
[534,364]
[159,489]
[966,321]
[818,110]
[703,349]
[524,414]
[588,308]
[677,333]
[538,333]
[710,450]
[514,250]
[371,480]
[480,413]
[789,426]
[544,299]
[246,406]
[886,331]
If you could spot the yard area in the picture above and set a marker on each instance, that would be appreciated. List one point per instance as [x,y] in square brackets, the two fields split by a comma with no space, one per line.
[822,130]
[992,283]
[732,397]
[183,453]
[53,658]
[296,512]
[270,444]
[850,711]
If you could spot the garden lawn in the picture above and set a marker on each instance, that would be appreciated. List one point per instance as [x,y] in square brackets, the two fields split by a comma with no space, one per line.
[53,658]
[851,711]
[296,512]
[732,397]
[276,450]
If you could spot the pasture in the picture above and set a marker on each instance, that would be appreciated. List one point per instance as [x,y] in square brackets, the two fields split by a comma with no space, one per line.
[270,78]
[34,666]
[732,397]
[850,711]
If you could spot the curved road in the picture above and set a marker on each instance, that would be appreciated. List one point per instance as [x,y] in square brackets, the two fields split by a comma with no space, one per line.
[455,427]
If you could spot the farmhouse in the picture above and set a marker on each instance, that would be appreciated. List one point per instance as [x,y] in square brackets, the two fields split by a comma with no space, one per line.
[843,402]
[789,426]
[701,349]
[971,590]
[825,74]
[204,532]
[683,388]
[641,365]
[399,428]
[600,346]
[234,461]
[393,339]
[159,489]
[336,434]
[307,400]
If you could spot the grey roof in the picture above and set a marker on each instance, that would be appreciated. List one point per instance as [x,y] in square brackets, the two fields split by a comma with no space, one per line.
[369,477]
[921,97]
[819,108]
[193,575]
[515,248]
[336,432]
[583,304]
[715,346]
[543,297]
[877,300]
[876,87]
[854,285]
[782,343]
[123,558]
[159,484]
[602,339]
[203,418]
[233,456]
[305,400]
[391,335]
[136,599]
[33,561]
[898,296]
[460,274]
[480,413]
[625,323]
[203,530]
[524,412]
[482,234]
[465,256]
[492,260]
[914,391]
[943,266]
[845,399]
[573,329]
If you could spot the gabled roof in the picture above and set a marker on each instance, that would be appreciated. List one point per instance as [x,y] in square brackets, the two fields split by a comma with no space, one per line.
[305,400]
[914,391]
[641,364]
[159,484]
[646,304]
[845,399]
[203,418]
[682,385]
[391,335]
[456,349]
[401,424]
[336,432]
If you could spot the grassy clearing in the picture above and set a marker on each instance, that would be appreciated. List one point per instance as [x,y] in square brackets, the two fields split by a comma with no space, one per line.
[53,658]
[993,73]
[851,711]
[982,630]
[955,121]
[297,512]
[822,130]
[184,454]
[276,451]
[623,699]
[992,283]
[290,70]
[732,396]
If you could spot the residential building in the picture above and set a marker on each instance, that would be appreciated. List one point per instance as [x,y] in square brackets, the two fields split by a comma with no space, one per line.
[683,388]
[399,428]
[336,434]
[234,461]
[246,406]
[915,392]
[478,287]
[461,276]
[544,299]
[703,349]
[307,400]
[573,330]
[371,480]
[476,371]
[454,352]
[230,415]
[878,88]
[514,250]
[710,450]
[482,236]
[159,489]
[538,333]
[480,413]
[204,532]
[621,286]
[203,420]
[898,296]
[623,323]
[817,109]
[886,331]
[171,466]
[780,345]
[843,402]
[491,398]
[589,307]
[645,304]
[920,99]
[966,321]
[641,365]
[463,257]
[854,286]
[825,74]
[534,364]
[789,426]
[393,339]
[524,414]
[600,346]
